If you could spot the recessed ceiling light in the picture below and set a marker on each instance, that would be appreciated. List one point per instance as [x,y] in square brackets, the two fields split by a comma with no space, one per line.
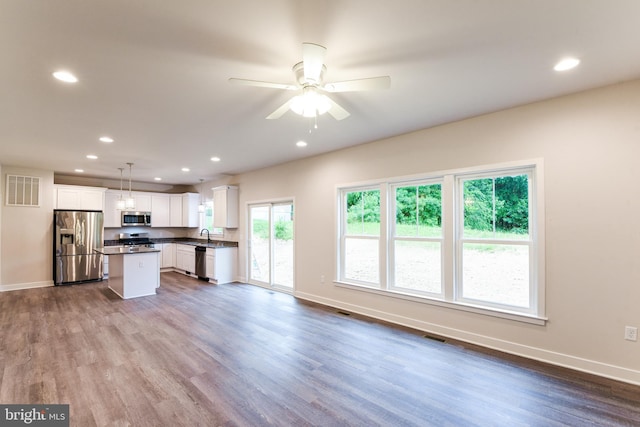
[106,139]
[301,144]
[65,76]
[157,178]
[566,64]
[185,169]
[79,170]
[215,159]
[92,156]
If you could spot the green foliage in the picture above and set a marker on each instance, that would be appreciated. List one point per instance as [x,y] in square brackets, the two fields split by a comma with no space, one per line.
[260,228]
[419,205]
[497,204]
[492,207]
[363,207]
[283,230]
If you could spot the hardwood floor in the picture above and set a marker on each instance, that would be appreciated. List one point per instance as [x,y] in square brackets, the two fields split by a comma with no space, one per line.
[198,354]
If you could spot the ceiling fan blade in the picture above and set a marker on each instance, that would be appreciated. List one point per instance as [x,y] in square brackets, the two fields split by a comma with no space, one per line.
[262,84]
[279,112]
[337,111]
[371,83]
[313,60]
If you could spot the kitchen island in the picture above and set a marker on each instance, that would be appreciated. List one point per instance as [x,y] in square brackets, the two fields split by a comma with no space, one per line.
[133,271]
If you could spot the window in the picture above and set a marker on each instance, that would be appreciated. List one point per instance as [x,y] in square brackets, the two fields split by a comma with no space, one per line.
[416,249]
[494,243]
[464,239]
[360,240]
[206,219]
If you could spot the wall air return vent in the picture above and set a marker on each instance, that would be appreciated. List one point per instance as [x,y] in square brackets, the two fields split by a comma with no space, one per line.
[23,190]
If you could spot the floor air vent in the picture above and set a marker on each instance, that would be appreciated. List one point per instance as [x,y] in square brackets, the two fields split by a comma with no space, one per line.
[344,313]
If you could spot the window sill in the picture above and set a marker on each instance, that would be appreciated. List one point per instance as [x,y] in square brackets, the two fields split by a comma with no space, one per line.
[503,314]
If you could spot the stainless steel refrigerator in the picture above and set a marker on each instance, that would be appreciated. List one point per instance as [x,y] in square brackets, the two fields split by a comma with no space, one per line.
[76,235]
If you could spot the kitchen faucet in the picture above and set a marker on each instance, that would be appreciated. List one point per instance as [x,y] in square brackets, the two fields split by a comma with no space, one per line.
[202,231]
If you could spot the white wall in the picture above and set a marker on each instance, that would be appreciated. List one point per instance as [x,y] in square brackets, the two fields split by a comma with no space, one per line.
[26,246]
[590,143]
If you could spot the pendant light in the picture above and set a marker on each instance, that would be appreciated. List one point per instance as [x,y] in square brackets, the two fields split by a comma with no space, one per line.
[201,205]
[130,203]
[120,203]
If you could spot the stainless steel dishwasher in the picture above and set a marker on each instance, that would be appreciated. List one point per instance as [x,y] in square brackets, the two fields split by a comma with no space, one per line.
[201,263]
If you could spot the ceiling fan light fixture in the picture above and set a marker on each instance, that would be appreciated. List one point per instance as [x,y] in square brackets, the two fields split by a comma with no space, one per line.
[310,103]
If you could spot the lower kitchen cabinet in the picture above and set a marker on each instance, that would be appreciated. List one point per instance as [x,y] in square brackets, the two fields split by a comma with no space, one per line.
[168,259]
[105,266]
[221,264]
[221,261]
[186,258]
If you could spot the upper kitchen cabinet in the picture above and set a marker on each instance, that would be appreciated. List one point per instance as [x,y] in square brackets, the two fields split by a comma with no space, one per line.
[167,210]
[225,206]
[190,203]
[142,201]
[79,198]
[175,210]
[111,214]
[182,210]
[160,210]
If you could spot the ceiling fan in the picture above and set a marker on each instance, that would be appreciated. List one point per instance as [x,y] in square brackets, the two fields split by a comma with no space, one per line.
[312,100]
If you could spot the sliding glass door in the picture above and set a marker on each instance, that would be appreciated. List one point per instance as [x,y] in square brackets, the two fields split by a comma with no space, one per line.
[271,245]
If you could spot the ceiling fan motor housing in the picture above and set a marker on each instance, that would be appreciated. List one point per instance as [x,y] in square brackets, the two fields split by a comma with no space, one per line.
[298,71]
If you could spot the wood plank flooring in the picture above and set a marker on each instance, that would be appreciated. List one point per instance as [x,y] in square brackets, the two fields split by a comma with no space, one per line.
[198,354]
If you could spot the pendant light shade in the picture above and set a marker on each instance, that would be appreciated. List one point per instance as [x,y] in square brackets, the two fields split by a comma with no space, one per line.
[201,205]
[120,203]
[130,203]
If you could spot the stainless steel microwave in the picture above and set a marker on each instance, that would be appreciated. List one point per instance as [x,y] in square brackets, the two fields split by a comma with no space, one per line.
[136,219]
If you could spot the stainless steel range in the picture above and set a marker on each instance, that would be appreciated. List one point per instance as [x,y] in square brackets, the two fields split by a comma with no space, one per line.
[135,240]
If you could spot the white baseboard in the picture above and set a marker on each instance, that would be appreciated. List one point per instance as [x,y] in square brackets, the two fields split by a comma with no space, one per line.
[28,285]
[559,359]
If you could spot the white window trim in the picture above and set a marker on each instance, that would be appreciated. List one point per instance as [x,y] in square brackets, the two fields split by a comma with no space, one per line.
[343,236]
[536,316]
[393,238]
[460,240]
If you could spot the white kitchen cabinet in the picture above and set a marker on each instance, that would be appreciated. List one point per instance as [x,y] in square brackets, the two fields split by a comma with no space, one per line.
[190,203]
[221,264]
[225,207]
[78,197]
[211,263]
[105,266]
[142,200]
[160,210]
[111,214]
[186,258]
[168,255]
[175,210]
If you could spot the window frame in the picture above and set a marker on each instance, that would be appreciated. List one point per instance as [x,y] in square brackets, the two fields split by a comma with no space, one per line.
[394,237]
[530,243]
[451,199]
[343,214]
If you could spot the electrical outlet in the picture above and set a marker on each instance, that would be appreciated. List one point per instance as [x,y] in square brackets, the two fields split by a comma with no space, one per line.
[630,333]
[322,278]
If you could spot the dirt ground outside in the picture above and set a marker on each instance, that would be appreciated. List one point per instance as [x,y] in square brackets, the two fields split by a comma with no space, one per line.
[498,274]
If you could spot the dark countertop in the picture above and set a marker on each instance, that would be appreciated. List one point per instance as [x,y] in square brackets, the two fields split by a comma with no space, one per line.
[113,250]
[185,241]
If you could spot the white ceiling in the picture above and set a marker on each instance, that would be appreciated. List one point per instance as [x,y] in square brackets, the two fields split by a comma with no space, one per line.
[154,74]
